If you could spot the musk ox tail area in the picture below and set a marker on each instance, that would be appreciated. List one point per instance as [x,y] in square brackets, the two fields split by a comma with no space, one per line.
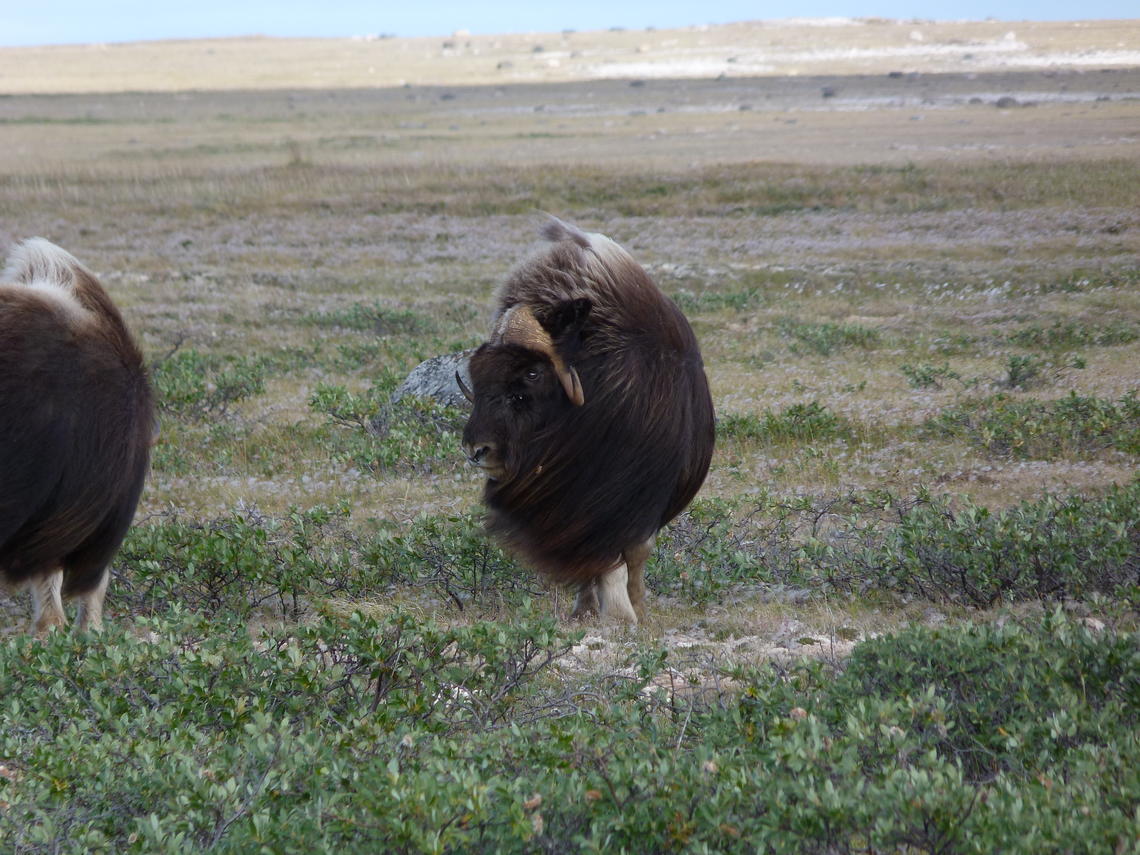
[76,420]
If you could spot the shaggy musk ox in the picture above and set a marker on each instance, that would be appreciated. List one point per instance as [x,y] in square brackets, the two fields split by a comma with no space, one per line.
[592,418]
[76,426]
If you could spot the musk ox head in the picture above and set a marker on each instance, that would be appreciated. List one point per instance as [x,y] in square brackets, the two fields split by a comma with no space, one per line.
[526,386]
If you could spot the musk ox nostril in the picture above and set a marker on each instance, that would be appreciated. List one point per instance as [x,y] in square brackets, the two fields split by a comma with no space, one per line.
[477,454]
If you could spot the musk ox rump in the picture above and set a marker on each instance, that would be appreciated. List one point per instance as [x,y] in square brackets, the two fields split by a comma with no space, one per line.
[592,417]
[76,426]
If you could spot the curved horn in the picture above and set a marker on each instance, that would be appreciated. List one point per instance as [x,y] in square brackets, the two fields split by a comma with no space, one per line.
[518,325]
[467,393]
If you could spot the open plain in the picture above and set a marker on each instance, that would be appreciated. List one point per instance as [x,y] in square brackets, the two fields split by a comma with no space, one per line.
[911,252]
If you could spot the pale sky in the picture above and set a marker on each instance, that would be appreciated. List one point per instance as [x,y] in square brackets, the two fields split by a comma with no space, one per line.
[37,22]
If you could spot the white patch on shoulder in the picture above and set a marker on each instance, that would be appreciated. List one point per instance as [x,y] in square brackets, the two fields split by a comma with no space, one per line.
[48,270]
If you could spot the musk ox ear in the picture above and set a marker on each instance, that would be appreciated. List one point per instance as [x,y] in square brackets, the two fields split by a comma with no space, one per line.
[567,317]
[518,325]
[564,321]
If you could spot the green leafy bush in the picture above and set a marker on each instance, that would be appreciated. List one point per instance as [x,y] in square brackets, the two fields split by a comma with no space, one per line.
[1049,549]
[926,375]
[399,735]
[453,555]
[382,436]
[1076,425]
[193,385]
[826,338]
[1067,335]
[238,564]
[943,551]
[810,422]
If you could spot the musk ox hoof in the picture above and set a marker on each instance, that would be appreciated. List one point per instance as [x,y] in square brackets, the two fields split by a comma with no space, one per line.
[613,597]
[586,603]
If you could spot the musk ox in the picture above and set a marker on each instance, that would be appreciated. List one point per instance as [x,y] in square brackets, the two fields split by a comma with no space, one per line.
[76,426]
[592,418]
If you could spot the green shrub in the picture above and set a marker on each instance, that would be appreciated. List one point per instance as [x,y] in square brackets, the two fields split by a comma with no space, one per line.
[189,384]
[376,318]
[1068,335]
[453,555]
[382,436]
[826,338]
[401,735]
[1076,425]
[1023,370]
[927,376]
[1061,687]
[200,736]
[239,564]
[810,422]
[1051,549]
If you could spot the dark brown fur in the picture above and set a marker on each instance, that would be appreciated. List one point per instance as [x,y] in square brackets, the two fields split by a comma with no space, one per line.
[582,484]
[76,426]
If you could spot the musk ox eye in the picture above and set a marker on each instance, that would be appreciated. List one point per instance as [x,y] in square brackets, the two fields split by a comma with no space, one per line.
[532,374]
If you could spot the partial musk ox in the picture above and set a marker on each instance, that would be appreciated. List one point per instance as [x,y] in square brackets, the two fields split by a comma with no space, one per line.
[592,418]
[76,425]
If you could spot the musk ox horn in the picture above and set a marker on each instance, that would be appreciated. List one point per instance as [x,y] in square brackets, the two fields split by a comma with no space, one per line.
[467,393]
[518,325]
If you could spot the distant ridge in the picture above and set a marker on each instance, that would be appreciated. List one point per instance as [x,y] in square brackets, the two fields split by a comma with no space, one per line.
[757,48]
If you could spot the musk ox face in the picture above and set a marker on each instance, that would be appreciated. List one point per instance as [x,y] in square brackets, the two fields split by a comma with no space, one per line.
[523,389]
[516,397]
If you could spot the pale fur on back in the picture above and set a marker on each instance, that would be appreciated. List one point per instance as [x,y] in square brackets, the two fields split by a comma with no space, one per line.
[577,264]
[48,270]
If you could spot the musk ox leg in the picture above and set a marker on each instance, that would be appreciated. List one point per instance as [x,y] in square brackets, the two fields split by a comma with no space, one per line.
[586,603]
[91,604]
[47,604]
[613,596]
[635,558]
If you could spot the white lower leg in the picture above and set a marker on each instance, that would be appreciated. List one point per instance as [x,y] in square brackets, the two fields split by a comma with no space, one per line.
[586,602]
[91,604]
[613,596]
[47,604]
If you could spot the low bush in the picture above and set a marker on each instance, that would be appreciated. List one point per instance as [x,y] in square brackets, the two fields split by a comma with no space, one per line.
[826,338]
[399,735]
[943,551]
[189,384]
[810,422]
[377,435]
[452,555]
[1068,335]
[925,375]
[1074,426]
[240,564]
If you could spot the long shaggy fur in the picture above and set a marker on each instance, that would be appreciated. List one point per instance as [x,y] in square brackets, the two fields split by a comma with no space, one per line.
[586,482]
[76,421]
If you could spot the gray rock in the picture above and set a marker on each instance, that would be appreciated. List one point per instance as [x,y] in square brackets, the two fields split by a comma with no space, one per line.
[435,379]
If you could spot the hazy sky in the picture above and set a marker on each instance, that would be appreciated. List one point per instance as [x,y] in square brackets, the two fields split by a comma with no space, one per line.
[31,22]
